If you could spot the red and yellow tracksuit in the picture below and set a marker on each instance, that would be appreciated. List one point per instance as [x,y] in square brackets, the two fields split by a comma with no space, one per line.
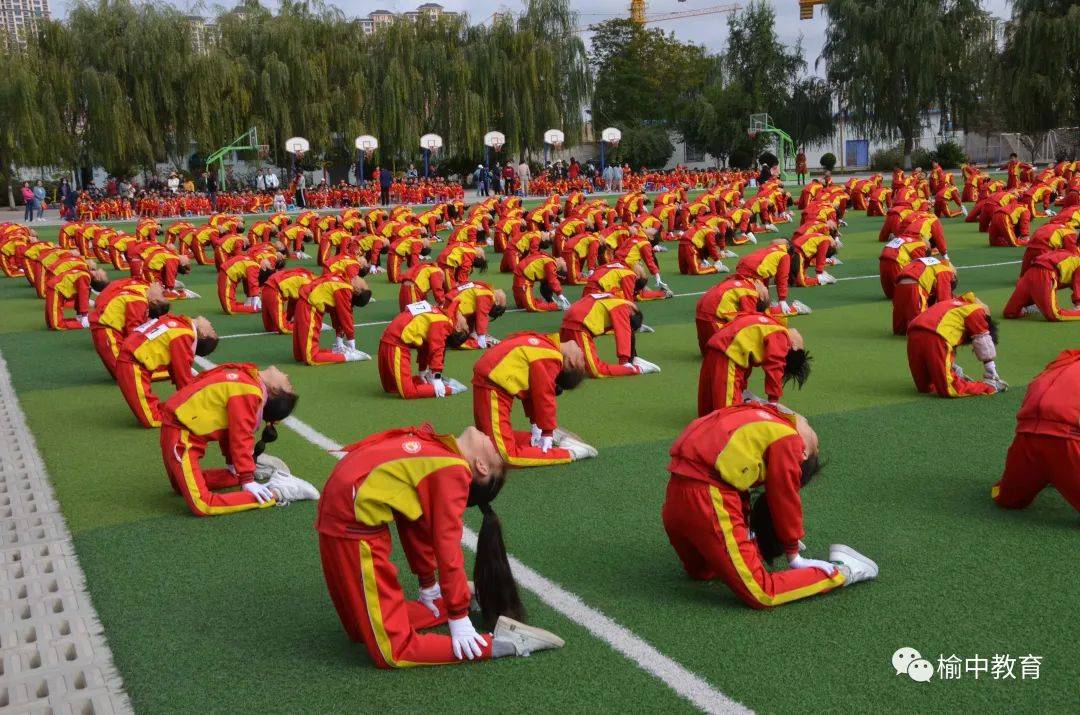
[1052,235]
[928,227]
[598,314]
[581,253]
[279,296]
[637,249]
[11,248]
[1039,286]
[507,232]
[769,264]
[228,245]
[714,464]
[456,262]
[420,280]
[233,272]
[165,343]
[721,304]
[474,300]
[199,244]
[812,248]
[418,481]
[1010,225]
[403,254]
[30,262]
[532,269]
[51,263]
[70,288]
[697,244]
[943,198]
[524,367]
[895,256]
[749,340]
[326,294]
[331,243]
[1046,448]
[221,405]
[118,310]
[418,327]
[932,341]
[262,232]
[294,237]
[923,282]
[342,264]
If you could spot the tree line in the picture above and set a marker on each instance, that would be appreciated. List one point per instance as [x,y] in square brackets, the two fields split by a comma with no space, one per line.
[122,85]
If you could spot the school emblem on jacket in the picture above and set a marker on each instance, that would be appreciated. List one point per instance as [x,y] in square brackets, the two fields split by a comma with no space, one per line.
[411,446]
[231,376]
[534,341]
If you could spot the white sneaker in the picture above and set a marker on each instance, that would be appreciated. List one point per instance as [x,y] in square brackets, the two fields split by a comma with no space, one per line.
[751,238]
[578,450]
[728,254]
[841,222]
[191,294]
[800,307]
[1051,212]
[355,355]
[84,321]
[721,268]
[376,270]
[456,387]
[706,263]
[256,303]
[1029,310]
[559,434]
[660,248]
[998,384]
[771,228]
[645,329]
[267,464]
[645,367]
[515,638]
[668,293]
[854,565]
[290,488]
[825,279]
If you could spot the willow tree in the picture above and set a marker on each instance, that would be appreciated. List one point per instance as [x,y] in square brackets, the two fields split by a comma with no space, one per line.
[23,136]
[1041,66]
[886,83]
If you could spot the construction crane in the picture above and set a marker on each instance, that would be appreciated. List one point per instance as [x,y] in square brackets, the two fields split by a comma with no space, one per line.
[639,17]
[806,8]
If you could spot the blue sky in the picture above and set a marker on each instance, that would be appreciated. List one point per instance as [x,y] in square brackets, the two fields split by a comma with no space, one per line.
[710,30]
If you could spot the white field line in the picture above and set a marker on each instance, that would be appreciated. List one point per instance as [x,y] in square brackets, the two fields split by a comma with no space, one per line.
[677,295]
[621,639]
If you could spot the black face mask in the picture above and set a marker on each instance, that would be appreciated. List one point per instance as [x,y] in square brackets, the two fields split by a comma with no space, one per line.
[362,298]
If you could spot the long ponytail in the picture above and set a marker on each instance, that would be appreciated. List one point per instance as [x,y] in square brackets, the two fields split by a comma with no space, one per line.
[496,589]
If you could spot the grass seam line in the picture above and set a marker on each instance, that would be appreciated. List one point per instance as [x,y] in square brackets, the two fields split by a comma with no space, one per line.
[685,683]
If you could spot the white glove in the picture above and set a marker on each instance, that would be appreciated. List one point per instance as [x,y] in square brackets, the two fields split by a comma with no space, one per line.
[440,388]
[467,643]
[537,433]
[562,301]
[798,562]
[260,491]
[546,444]
[658,280]
[428,597]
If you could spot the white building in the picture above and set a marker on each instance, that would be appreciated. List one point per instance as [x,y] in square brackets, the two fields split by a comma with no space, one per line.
[382,18]
[20,17]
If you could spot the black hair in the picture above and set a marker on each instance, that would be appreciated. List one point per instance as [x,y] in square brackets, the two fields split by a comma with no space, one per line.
[562,275]
[279,406]
[637,318]
[282,261]
[544,244]
[797,366]
[496,312]
[184,269]
[425,251]
[269,434]
[762,305]
[831,250]
[639,284]
[796,264]
[457,338]
[480,263]
[546,292]
[992,327]
[761,522]
[362,298]
[364,270]
[156,310]
[264,275]
[99,284]
[205,345]
[568,379]
[496,590]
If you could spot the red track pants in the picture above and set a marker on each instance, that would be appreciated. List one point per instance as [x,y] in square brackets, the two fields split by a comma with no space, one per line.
[371,604]
[1038,286]
[395,371]
[908,302]
[107,344]
[305,335]
[931,362]
[276,313]
[491,411]
[720,384]
[707,526]
[524,299]
[182,451]
[596,367]
[1034,462]
[135,384]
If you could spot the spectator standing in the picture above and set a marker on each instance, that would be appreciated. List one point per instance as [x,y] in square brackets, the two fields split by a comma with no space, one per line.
[609,177]
[260,180]
[28,200]
[574,170]
[800,166]
[386,179]
[617,173]
[410,173]
[524,176]
[272,180]
[63,192]
[301,183]
[39,199]
[211,188]
[509,175]
[173,184]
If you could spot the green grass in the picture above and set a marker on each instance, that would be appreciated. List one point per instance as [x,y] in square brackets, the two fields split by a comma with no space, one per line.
[231,614]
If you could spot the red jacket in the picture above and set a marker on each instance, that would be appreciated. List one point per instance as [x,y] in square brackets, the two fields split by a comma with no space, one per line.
[419,481]
[1052,403]
[745,446]
[525,366]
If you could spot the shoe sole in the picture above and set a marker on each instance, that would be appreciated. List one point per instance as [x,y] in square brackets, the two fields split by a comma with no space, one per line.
[508,625]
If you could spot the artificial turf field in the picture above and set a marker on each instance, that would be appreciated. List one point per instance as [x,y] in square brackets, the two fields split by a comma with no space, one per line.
[231,614]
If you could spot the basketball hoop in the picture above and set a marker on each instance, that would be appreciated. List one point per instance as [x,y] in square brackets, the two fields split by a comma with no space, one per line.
[431,142]
[367,144]
[555,138]
[495,140]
